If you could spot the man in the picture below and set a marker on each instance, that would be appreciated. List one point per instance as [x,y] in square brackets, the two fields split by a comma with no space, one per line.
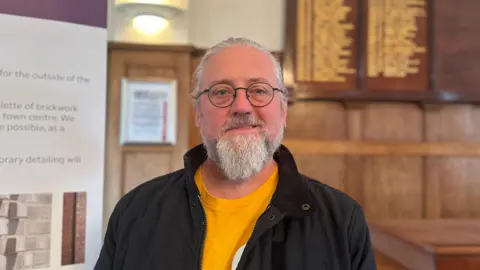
[240,202]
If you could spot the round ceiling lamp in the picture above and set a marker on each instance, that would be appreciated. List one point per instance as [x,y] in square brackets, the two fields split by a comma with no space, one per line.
[149,24]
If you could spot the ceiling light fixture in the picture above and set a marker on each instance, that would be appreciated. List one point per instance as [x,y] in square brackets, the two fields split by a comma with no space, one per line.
[149,24]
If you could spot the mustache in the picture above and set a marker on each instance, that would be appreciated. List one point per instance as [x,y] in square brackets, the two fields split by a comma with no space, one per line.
[243,120]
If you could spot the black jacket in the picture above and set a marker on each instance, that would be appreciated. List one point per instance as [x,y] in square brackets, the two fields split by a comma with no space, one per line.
[160,225]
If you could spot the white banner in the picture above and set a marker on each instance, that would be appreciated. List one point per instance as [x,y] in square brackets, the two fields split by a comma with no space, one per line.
[52,137]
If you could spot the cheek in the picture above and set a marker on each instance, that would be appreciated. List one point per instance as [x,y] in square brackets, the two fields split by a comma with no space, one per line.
[274,121]
[211,123]
[274,128]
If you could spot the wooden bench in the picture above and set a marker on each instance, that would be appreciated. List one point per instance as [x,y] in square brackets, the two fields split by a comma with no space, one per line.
[429,244]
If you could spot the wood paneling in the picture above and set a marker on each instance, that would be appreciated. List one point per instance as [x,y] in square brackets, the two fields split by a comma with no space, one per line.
[398,160]
[368,148]
[411,51]
[454,188]
[392,187]
[457,46]
[140,166]
[127,166]
[392,122]
[330,168]
[410,157]
[453,123]
[194,137]
[317,121]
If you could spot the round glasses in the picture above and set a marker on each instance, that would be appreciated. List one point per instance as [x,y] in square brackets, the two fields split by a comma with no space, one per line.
[223,95]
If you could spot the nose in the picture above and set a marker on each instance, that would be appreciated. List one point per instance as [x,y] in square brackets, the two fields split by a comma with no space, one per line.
[241,103]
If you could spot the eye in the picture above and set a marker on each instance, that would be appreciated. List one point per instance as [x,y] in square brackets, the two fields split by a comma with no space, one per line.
[220,92]
[260,90]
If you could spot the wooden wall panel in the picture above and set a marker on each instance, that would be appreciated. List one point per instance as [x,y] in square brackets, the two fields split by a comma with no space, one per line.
[194,133]
[398,160]
[453,123]
[392,122]
[436,178]
[454,189]
[317,121]
[331,169]
[127,166]
[457,47]
[392,187]
[140,166]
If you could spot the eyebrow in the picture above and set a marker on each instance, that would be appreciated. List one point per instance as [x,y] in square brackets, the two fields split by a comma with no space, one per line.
[230,82]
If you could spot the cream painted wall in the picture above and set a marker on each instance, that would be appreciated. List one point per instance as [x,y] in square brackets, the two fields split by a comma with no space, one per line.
[260,20]
[206,22]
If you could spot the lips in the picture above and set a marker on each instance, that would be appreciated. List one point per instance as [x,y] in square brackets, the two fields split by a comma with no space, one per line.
[242,127]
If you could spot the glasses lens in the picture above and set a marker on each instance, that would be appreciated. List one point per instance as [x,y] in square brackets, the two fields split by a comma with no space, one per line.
[260,94]
[221,95]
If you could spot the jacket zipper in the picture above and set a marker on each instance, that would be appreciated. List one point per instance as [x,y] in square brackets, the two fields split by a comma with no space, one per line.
[204,236]
[254,227]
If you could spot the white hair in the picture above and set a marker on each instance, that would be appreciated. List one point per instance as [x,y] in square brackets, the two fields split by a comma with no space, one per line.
[198,74]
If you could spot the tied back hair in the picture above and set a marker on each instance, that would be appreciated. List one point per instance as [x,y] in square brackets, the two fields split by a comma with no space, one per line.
[198,74]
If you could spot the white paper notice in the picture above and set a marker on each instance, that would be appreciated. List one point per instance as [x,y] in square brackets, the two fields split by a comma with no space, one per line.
[149,112]
[148,115]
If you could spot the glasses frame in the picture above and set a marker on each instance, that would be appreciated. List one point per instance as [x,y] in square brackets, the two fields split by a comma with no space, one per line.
[207,91]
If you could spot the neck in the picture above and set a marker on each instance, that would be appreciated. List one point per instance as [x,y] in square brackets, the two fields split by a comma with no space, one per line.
[219,186]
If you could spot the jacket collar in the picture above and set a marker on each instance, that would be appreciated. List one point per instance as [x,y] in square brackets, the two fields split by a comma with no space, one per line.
[292,196]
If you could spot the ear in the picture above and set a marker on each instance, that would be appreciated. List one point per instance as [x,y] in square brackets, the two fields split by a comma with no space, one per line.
[284,110]
[197,116]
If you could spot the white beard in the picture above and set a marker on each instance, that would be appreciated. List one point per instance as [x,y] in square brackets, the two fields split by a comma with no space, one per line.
[242,156]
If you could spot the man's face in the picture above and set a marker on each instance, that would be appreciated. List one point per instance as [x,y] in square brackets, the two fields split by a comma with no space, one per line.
[240,138]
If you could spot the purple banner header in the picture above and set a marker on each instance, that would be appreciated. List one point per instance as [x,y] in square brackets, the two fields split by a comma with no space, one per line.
[85,12]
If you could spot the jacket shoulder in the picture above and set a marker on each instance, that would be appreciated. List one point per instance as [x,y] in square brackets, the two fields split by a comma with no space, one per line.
[339,212]
[340,206]
[328,194]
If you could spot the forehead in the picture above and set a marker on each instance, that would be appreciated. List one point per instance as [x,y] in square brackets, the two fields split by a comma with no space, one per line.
[239,64]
